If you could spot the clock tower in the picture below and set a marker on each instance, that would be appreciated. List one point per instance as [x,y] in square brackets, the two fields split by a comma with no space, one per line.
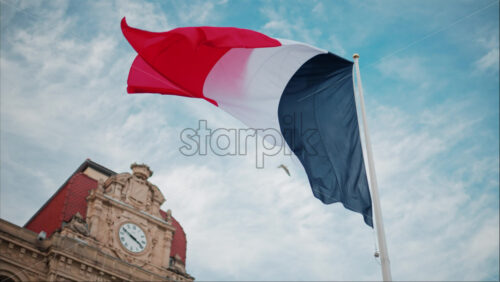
[98,226]
[124,217]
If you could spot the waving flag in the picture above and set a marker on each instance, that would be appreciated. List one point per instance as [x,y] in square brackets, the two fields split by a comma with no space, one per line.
[304,92]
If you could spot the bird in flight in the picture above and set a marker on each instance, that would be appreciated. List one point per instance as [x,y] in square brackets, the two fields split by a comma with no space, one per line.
[284,168]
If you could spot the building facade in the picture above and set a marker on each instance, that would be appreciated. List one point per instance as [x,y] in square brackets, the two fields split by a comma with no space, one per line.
[99,226]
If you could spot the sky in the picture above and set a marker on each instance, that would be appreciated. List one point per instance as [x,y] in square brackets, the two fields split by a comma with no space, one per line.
[430,73]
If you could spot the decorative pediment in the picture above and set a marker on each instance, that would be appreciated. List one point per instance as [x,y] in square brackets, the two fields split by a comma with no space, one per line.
[134,189]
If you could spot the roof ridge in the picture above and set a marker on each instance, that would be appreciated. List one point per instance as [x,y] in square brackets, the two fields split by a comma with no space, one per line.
[81,168]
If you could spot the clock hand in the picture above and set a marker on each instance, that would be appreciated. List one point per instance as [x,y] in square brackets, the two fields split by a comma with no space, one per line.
[133,238]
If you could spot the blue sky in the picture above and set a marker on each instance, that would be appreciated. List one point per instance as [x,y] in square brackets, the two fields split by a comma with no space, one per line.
[431,78]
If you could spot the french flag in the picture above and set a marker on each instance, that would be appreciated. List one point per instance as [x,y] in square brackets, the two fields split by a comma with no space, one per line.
[304,92]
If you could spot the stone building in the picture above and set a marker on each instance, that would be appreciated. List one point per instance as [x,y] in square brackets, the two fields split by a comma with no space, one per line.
[99,226]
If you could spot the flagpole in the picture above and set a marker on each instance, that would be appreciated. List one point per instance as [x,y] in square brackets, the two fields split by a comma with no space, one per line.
[379,224]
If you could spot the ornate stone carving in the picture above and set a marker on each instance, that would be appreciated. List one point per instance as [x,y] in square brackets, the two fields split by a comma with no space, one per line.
[100,184]
[138,191]
[169,216]
[110,222]
[141,171]
[78,224]
[177,265]
[135,190]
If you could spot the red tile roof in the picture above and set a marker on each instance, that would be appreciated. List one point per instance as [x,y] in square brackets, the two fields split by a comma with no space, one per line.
[68,201]
[71,198]
[50,217]
[179,241]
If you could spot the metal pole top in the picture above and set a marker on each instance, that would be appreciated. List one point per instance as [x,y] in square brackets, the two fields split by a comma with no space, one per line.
[355,56]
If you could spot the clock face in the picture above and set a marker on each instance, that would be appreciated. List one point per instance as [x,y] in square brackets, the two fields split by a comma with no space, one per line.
[132,237]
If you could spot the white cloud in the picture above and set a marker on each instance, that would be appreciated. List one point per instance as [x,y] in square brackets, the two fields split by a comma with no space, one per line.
[319,9]
[337,46]
[279,24]
[63,99]
[490,61]
[263,214]
[410,69]
[194,14]
[224,204]
[486,38]
[428,212]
